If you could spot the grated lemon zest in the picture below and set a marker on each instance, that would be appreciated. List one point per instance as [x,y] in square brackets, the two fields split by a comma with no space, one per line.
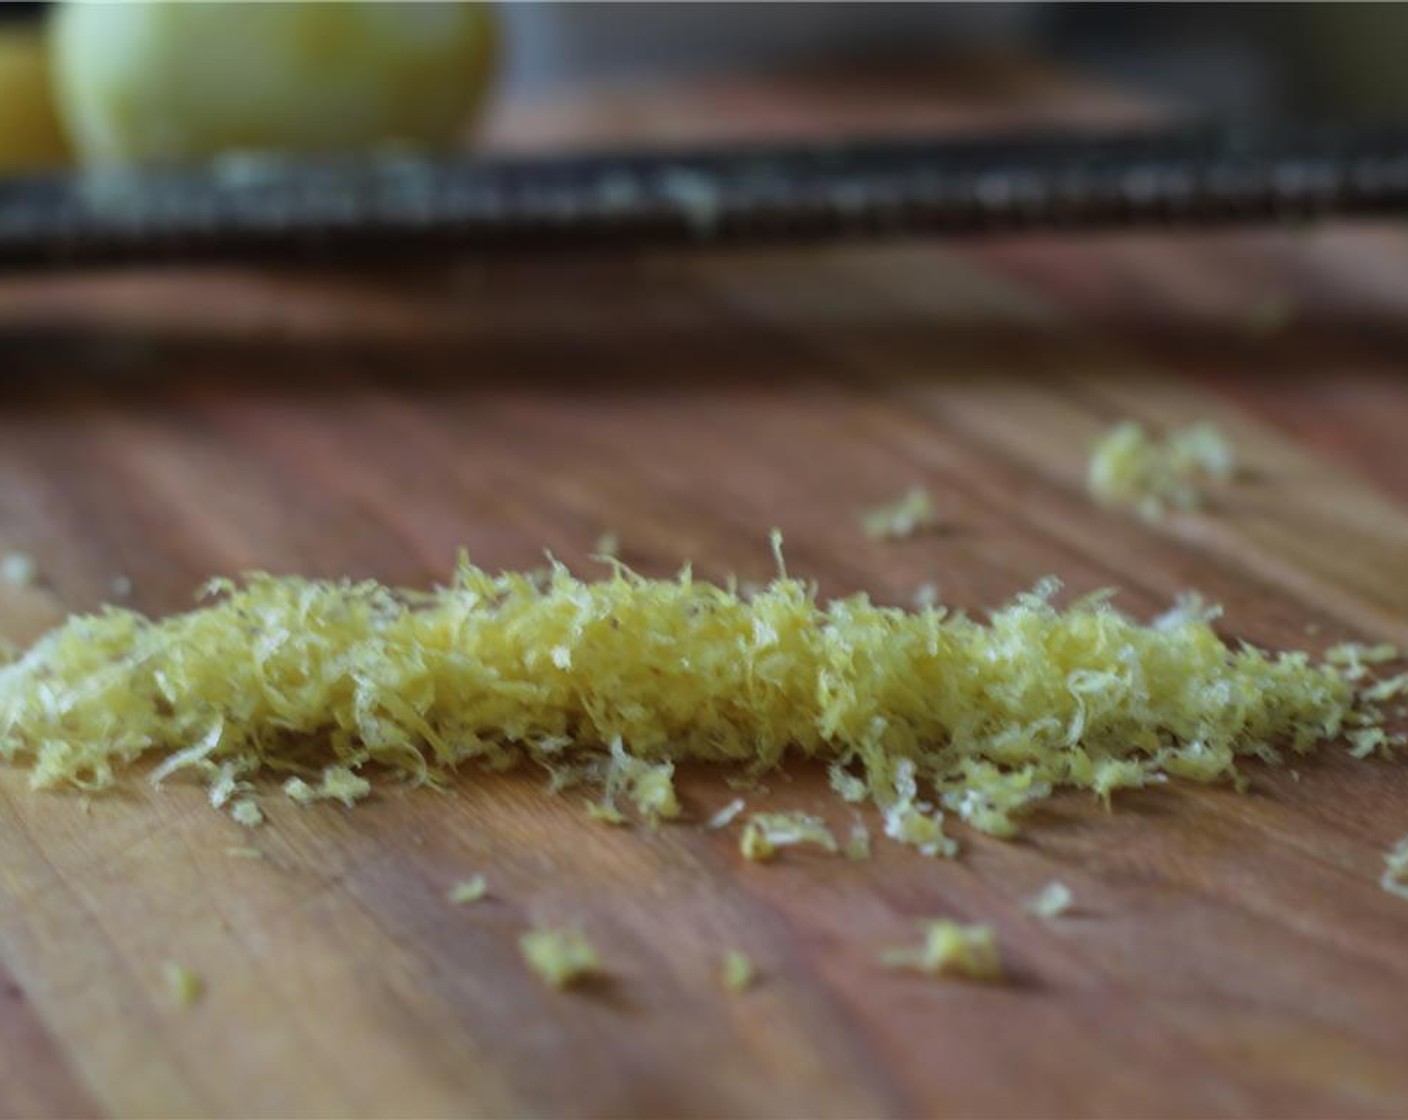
[1364,741]
[1395,876]
[926,596]
[1051,901]
[473,889]
[765,833]
[184,986]
[1130,468]
[737,971]
[339,783]
[908,514]
[1385,689]
[726,816]
[951,949]
[18,569]
[606,813]
[560,957]
[858,842]
[987,718]
[247,813]
[845,784]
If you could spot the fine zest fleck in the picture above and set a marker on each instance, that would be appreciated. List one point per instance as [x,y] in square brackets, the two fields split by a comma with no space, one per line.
[18,569]
[912,512]
[473,889]
[737,971]
[184,986]
[560,957]
[1051,901]
[338,784]
[951,949]
[858,842]
[247,813]
[725,816]
[1395,876]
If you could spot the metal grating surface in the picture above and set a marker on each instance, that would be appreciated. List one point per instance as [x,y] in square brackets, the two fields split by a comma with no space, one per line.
[251,208]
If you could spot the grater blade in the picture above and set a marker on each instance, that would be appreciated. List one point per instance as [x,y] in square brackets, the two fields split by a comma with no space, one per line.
[248,208]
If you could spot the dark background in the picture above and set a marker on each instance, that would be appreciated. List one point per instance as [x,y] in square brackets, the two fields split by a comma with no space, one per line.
[1242,59]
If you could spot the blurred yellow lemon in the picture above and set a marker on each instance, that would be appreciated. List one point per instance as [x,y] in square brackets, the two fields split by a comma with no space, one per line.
[156,83]
[31,136]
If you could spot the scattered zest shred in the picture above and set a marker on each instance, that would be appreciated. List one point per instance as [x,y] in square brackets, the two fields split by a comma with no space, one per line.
[725,816]
[914,822]
[184,986]
[765,833]
[1365,741]
[560,957]
[1395,876]
[606,813]
[1133,469]
[1051,901]
[468,890]
[649,785]
[737,972]
[951,949]
[247,813]
[1356,658]
[338,784]
[858,842]
[911,513]
[18,569]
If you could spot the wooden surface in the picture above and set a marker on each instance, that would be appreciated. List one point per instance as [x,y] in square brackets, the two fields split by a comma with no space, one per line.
[1229,955]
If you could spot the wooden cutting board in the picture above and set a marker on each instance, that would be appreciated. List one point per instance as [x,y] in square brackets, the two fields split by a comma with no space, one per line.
[1228,954]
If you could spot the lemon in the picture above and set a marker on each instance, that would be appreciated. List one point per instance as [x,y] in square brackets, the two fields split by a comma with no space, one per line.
[31,136]
[161,83]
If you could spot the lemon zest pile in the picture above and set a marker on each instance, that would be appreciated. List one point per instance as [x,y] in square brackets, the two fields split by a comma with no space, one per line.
[951,949]
[614,681]
[1130,468]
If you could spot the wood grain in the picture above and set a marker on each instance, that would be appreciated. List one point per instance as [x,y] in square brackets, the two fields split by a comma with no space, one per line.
[1229,954]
